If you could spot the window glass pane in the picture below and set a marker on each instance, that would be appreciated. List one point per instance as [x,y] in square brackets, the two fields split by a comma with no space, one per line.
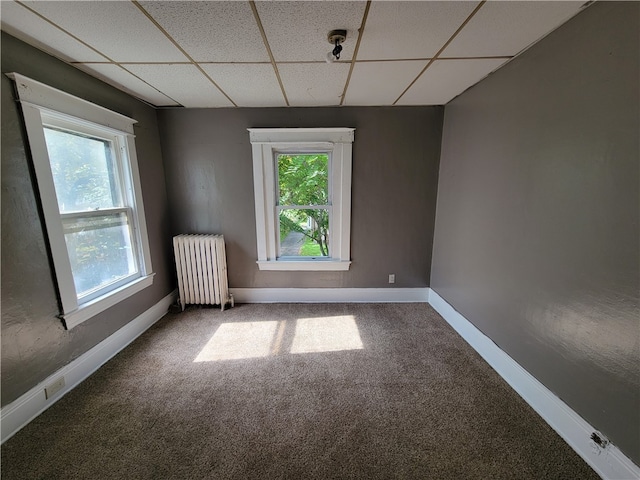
[304,233]
[83,171]
[100,250]
[303,179]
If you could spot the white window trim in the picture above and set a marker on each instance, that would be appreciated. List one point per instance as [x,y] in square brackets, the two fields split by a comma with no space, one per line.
[266,142]
[38,99]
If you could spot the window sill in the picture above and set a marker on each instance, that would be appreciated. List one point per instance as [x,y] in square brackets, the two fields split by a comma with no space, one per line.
[90,309]
[304,265]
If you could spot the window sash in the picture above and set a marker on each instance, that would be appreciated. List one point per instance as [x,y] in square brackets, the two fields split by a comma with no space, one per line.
[104,288]
[117,176]
[293,152]
[95,213]
[281,208]
[303,207]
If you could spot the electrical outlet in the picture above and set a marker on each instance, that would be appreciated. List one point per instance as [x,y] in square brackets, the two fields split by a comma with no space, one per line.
[54,387]
[392,278]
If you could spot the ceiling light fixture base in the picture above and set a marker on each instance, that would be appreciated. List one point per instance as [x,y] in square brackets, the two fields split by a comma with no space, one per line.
[337,35]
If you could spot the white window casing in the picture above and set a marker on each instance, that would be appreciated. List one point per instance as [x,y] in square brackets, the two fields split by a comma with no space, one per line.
[266,143]
[43,105]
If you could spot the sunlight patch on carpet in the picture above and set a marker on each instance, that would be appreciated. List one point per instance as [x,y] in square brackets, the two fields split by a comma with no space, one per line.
[326,334]
[242,340]
[234,341]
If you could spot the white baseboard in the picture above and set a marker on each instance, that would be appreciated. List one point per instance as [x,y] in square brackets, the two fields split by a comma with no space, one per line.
[608,462]
[31,404]
[330,295]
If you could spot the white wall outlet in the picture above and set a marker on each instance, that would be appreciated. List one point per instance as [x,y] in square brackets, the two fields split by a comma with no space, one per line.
[54,387]
[392,278]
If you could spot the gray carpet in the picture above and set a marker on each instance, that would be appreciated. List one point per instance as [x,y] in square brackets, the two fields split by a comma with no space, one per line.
[293,391]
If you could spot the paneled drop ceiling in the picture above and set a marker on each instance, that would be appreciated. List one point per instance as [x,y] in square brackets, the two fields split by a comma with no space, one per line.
[272,53]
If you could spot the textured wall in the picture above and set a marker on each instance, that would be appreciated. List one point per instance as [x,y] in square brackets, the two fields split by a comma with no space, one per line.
[536,237]
[34,342]
[208,163]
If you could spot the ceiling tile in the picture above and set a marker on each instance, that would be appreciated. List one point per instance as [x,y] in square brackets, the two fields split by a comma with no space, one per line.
[250,85]
[117,29]
[445,79]
[408,30]
[297,31]
[506,28]
[314,84]
[28,27]
[125,81]
[212,31]
[380,83]
[184,83]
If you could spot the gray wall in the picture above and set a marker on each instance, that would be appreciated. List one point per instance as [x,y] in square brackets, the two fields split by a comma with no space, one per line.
[209,170]
[34,342]
[536,238]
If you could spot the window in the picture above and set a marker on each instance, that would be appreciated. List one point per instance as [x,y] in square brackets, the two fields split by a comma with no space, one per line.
[302,186]
[302,204]
[86,169]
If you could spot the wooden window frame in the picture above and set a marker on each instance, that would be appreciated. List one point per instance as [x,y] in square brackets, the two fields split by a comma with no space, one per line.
[267,143]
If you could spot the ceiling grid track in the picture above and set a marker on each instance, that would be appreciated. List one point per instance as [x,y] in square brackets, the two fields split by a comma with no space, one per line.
[390,60]
[254,9]
[109,60]
[435,57]
[355,50]
[182,50]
